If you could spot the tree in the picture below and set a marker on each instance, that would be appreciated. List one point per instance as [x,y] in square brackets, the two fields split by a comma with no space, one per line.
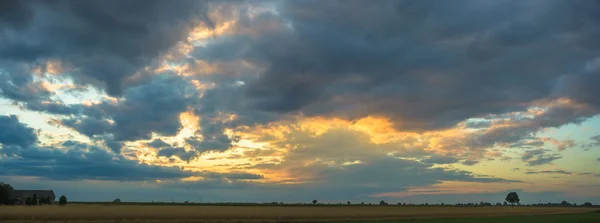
[314,202]
[349,203]
[512,198]
[5,193]
[587,204]
[382,202]
[34,200]
[62,200]
[565,203]
[117,200]
[362,203]
[28,200]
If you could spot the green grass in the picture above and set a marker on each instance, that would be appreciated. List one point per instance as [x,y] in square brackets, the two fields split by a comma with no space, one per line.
[565,218]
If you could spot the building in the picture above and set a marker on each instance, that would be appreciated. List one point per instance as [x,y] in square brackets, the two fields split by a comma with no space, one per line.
[20,196]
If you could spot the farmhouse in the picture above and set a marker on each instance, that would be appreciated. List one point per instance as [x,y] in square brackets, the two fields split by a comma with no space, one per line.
[20,196]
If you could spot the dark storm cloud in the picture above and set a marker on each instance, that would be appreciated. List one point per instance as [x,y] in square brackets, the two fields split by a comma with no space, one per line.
[15,133]
[107,41]
[81,161]
[425,64]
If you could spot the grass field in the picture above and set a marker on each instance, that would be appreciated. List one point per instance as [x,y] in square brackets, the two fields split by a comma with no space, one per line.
[565,218]
[170,213]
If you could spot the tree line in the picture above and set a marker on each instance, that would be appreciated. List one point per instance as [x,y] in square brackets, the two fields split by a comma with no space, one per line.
[512,199]
[6,198]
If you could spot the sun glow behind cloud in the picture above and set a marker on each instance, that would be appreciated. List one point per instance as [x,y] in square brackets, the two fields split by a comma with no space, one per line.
[247,92]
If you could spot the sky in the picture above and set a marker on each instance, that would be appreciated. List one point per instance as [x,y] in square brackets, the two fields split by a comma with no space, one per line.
[290,101]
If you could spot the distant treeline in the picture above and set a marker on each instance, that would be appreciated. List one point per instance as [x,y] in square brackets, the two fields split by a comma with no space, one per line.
[480,204]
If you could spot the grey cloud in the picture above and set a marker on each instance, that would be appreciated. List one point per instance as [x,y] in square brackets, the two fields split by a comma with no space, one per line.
[478,124]
[181,153]
[15,133]
[158,143]
[538,157]
[81,161]
[565,144]
[16,83]
[381,175]
[531,153]
[106,41]
[232,176]
[440,159]
[520,132]
[153,107]
[110,142]
[596,143]
[527,143]
[353,60]
[14,13]
[88,126]
[550,172]
[470,162]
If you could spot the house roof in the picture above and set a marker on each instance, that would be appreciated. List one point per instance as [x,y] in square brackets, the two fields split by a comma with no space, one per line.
[21,194]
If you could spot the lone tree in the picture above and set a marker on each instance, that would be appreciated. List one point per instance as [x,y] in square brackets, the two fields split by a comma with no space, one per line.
[34,200]
[314,201]
[512,198]
[382,203]
[117,200]
[62,200]
[5,192]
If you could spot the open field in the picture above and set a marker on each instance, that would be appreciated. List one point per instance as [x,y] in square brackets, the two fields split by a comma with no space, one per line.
[170,213]
[566,218]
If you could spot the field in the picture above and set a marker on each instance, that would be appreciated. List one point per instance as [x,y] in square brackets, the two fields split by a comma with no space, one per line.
[305,213]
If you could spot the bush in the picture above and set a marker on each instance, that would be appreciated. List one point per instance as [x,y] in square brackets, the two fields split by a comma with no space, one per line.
[62,200]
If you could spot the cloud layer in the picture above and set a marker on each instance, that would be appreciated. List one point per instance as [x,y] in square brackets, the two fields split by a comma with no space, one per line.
[325,98]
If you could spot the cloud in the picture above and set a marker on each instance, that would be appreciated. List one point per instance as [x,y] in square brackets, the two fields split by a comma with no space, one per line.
[550,172]
[105,41]
[421,74]
[15,133]
[81,162]
[365,96]
[470,162]
[150,108]
[538,157]
[158,143]
[596,143]
[440,160]
[181,153]
[561,145]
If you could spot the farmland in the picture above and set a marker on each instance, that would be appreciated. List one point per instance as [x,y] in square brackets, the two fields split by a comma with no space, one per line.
[300,213]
